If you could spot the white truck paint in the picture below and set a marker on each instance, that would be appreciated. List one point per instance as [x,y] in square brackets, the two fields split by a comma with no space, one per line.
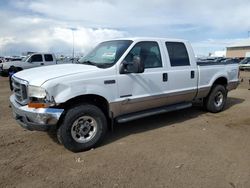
[30,61]
[138,77]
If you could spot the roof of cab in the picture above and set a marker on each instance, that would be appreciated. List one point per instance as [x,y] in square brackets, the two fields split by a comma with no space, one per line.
[137,39]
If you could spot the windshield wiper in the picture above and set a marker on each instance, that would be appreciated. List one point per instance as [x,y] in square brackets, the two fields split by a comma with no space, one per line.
[88,63]
[99,65]
[104,65]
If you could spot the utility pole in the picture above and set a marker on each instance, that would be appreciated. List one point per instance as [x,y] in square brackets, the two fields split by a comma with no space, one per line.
[73,42]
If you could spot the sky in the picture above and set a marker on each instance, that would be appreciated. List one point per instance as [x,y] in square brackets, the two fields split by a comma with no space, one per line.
[49,25]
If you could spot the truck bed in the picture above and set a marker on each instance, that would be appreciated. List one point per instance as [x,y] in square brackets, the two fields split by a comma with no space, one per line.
[209,72]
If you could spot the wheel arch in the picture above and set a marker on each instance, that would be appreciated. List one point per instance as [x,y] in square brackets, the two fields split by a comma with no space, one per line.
[93,99]
[220,81]
[15,68]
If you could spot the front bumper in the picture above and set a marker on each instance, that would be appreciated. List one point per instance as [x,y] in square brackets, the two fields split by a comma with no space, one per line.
[40,119]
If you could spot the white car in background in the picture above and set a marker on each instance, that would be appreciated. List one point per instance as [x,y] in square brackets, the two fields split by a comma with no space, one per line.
[30,61]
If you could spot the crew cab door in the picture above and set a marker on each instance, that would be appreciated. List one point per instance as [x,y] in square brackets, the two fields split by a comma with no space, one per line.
[182,72]
[49,59]
[140,91]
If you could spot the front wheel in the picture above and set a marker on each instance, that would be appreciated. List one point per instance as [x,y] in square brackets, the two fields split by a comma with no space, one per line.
[83,127]
[216,100]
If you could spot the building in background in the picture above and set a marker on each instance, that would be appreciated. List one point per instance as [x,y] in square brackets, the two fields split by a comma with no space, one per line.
[239,50]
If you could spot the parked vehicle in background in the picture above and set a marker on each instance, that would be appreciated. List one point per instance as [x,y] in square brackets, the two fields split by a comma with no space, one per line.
[245,64]
[67,60]
[218,59]
[30,61]
[119,81]
[229,60]
[14,58]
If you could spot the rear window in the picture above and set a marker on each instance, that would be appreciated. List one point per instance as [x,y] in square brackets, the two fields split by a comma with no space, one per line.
[48,57]
[177,54]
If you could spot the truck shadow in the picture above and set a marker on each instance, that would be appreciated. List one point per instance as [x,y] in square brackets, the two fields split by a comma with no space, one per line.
[158,121]
[232,101]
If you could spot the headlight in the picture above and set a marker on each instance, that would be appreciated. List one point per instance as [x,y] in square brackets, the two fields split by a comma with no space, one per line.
[37,92]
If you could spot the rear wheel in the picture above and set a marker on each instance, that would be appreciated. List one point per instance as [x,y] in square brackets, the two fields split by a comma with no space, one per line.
[216,100]
[83,127]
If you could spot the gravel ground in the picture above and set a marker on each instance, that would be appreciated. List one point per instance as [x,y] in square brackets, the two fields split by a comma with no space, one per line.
[188,148]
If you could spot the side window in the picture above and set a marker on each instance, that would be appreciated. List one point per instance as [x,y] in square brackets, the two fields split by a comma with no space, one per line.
[148,52]
[48,57]
[36,58]
[177,54]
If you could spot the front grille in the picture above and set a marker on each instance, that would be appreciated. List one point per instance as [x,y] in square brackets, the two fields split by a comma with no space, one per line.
[20,90]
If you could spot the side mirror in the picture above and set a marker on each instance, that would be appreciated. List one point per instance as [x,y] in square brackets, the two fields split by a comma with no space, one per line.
[136,66]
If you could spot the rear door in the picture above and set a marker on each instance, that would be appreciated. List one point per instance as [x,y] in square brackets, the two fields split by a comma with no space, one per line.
[48,59]
[182,72]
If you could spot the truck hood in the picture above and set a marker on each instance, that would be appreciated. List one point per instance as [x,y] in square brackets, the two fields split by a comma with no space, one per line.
[6,65]
[37,76]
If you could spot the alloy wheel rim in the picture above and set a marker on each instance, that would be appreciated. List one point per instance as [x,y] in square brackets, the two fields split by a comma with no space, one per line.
[218,99]
[84,129]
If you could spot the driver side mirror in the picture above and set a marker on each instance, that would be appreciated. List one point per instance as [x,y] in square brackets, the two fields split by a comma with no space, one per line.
[136,66]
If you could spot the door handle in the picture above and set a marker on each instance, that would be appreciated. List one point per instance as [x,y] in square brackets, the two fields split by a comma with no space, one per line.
[165,77]
[192,74]
[42,63]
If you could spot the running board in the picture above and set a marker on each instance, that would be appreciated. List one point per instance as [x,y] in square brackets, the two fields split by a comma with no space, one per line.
[155,111]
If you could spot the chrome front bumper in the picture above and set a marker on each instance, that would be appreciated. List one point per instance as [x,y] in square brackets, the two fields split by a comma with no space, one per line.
[40,119]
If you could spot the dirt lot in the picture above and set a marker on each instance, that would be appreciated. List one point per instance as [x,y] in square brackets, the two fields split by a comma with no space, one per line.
[188,148]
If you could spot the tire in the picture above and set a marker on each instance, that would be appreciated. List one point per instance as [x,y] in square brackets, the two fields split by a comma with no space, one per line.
[82,128]
[58,135]
[216,100]
[12,69]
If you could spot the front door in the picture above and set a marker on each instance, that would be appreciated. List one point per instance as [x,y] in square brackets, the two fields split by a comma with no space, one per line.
[140,91]
[36,60]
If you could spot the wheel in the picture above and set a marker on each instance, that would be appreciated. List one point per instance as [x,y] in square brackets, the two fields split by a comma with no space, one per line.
[82,128]
[12,70]
[215,102]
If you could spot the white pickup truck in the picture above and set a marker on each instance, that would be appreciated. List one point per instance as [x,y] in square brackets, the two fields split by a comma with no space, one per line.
[30,61]
[119,81]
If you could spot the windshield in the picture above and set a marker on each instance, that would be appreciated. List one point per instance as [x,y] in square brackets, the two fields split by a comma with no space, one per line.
[106,54]
[25,58]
